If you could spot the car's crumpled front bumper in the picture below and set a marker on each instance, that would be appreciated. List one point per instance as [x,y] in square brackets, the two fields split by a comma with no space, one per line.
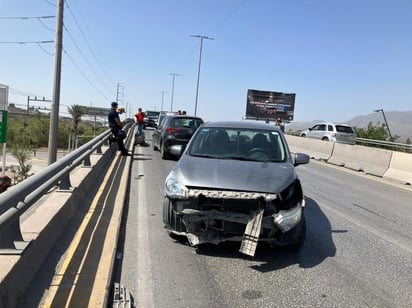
[283,220]
[210,216]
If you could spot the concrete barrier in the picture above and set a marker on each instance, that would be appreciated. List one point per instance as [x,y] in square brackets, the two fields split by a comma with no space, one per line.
[317,149]
[369,160]
[400,168]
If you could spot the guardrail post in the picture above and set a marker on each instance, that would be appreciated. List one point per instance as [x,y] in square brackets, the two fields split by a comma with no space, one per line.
[11,240]
[87,162]
[99,150]
[65,184]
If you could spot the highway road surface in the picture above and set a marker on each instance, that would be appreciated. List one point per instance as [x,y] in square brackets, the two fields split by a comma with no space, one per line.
[358,250]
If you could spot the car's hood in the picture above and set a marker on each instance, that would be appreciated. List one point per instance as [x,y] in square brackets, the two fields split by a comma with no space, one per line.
[234,174]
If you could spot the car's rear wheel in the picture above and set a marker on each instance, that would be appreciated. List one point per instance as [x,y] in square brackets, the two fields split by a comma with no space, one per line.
[154,145]
[165,154]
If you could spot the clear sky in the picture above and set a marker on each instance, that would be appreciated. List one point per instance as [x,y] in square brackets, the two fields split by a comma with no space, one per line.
[341,58]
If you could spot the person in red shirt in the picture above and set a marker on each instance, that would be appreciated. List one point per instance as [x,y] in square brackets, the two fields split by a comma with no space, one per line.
[139,121]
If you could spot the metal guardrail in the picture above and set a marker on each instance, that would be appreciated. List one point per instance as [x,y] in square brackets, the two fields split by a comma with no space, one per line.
[19,198]
[394,146]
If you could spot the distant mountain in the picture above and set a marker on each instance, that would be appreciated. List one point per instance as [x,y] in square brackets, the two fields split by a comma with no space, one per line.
[399,122]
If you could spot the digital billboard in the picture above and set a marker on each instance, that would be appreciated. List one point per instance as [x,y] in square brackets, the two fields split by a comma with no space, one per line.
[269,105]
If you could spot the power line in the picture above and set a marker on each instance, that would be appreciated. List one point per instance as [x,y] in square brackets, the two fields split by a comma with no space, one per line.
[49,3]
[28,42]
[22,93]
[87,43]
[27,17]
[85,59]
[227,16]
[84,75]
[45,51]
[44,25]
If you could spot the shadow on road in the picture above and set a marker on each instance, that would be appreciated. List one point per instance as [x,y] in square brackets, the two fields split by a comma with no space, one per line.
[318,245]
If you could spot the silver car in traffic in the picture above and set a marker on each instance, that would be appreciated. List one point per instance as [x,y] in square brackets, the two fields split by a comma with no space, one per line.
[331,132]
[236,181]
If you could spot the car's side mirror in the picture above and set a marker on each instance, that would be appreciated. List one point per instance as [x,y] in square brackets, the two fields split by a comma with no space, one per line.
[301,159]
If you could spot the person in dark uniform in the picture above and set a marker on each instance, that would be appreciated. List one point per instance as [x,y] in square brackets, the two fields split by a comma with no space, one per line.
[116,127]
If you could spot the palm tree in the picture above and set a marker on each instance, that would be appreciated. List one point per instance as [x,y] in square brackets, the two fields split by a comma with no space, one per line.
[76,111]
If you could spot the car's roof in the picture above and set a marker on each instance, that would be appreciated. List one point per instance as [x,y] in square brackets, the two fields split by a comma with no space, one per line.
[182,116]
[246,124]
[330,123]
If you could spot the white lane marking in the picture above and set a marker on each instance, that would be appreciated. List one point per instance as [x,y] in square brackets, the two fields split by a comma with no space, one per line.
[144,266]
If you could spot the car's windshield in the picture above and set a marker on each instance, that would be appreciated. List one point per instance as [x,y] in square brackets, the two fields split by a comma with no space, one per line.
[241,144]
[152,113]
[185,122]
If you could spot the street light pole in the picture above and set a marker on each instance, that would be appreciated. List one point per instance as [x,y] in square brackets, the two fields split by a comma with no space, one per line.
[163,94]
[386,123]
[200,61]
[173,89]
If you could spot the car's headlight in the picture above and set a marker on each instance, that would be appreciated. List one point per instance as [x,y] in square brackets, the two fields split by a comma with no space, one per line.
[173,188]
[291,197]
[286,220]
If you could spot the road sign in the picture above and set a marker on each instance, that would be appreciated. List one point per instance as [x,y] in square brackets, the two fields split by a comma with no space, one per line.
[3,126]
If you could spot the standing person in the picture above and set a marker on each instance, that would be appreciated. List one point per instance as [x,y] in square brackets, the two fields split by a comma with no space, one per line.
[280,124]
[139,121]
[116,127]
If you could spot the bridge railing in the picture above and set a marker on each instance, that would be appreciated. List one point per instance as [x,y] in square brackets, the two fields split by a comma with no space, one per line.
[19,198]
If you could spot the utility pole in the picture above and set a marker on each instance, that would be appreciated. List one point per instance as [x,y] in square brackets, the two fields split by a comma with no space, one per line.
[173,89]
[200,61]
[54,114]
[119,93]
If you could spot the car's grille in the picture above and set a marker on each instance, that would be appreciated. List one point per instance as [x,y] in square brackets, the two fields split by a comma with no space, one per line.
[230,205]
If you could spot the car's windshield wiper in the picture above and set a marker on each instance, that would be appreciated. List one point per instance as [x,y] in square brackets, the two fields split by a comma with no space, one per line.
[237,158]
[204,155]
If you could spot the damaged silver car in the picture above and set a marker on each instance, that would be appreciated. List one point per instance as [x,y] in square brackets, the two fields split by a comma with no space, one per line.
[235,181]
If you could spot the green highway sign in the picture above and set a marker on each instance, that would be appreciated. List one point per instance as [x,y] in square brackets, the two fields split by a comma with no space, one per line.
[3,126]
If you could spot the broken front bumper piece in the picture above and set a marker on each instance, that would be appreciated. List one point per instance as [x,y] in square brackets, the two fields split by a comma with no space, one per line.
[284,220]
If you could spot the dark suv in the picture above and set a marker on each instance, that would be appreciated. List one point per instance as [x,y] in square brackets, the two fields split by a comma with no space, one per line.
[174,130]
[150,119]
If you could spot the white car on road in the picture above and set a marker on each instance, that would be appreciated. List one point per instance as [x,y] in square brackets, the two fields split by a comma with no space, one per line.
[331,132]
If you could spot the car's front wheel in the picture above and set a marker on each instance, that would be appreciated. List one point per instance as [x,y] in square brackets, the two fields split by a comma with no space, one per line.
[171,220]
[293,239]
[299,234]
